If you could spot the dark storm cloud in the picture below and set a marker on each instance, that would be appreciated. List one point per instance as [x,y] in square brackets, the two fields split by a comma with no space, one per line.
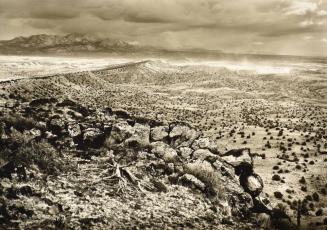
[173,22]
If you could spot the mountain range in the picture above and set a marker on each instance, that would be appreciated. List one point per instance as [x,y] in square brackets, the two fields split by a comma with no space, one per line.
[70,43]
[81,43]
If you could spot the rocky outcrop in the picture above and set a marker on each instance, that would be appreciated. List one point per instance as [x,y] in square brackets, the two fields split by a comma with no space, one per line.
[237,157]
[119,133]
[93,137]
[137,157]
[191,181]
[164,151]
[159,133]
[140,137]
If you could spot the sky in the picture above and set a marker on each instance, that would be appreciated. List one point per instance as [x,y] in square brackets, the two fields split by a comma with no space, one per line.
[295,27]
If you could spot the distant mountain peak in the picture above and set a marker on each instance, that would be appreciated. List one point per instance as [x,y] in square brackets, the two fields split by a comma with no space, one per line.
[74,42]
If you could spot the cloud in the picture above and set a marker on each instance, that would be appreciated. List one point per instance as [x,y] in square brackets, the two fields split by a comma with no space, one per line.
[322,12]
[257,43]
[214,24]
[308,37]
[301,7]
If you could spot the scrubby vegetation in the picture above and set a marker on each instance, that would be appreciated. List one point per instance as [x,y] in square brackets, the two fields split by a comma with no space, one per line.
[277,116]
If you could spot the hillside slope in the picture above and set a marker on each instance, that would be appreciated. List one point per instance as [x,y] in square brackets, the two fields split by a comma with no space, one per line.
[66,164]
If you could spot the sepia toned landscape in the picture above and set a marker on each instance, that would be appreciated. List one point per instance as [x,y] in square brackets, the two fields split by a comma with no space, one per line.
[140,131]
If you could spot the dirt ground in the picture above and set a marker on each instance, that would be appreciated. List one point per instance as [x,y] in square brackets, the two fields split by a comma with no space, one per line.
[281,116]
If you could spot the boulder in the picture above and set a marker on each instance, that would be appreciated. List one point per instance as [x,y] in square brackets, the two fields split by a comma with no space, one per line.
[159,133]
[236,157]
[262,204]
[74,130]
[226,170]
[93,137]
[192,182]
[74,114]
[164,151]
[119,133]
[140,136]
[50,135]
[32,134]
[185,152]
[42,101]
[35,132]
[182,135]
[205,143]
[204,154]
[57,126]
[67,103]
[121,113]
[159,186]
[243,204]
[74,106]
[252,184]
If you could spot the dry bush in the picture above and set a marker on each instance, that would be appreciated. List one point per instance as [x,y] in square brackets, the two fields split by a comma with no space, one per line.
[206,173]
[18,122]
[44,155]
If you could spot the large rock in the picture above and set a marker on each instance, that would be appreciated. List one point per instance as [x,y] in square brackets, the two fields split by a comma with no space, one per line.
[42,101]
[74,130]
[226,170]
[32,134]
[192,182]
[119,133]
[236,157]
[140,136]
[262,204]
[121,113]
[49,135]
[182,135]
[204,154]
[93,137]
[185,152]
[74,115]
[159,133]
[252,184]
[57,126]
[164,151]
[220,183]
[74,106]
[205,143]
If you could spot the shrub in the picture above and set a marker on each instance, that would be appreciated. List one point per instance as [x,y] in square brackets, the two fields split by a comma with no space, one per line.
[278,195]
[204,172]
[276,177]
[276,167]
[315,197]
[19,123]
[42,154]
[319,212]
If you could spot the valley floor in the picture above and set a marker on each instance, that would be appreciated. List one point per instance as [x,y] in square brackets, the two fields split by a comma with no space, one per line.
[281,117]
